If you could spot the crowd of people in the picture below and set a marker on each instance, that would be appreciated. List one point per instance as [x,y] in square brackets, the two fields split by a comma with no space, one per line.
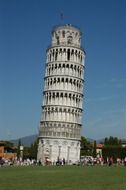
[17,162]
[89,160]
[84,161]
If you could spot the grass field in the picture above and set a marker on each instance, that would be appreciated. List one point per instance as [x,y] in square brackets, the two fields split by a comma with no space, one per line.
[63,178]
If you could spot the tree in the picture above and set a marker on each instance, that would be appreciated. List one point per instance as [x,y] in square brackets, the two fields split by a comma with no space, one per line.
[9,146]
[94,150]
[18,148]
[112,148]
[34,149]
[26,152]
[112,141]
[86,147]
[114,151]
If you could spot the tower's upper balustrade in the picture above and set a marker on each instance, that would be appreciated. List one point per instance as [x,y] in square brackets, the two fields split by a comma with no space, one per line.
[66,35]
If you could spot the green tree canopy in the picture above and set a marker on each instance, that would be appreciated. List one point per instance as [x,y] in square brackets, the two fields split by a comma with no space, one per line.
[34,149]
[112,141]
[86,147]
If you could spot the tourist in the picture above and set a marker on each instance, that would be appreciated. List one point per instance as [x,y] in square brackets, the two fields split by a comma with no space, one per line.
[125,161]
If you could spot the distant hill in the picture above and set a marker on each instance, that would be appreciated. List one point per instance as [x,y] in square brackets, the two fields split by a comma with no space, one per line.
[26,141]
[100,141]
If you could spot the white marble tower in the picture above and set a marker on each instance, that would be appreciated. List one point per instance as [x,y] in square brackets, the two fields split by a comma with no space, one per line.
[60,125]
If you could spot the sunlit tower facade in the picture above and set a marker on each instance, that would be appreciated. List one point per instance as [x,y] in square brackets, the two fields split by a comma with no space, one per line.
[60,125]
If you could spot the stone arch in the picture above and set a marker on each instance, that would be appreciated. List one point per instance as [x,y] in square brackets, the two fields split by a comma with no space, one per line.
[49,70]
[53,53]
[66,80]
[68,54]
[63,65]
[62,79]
[64,50]
[63,33]
[58,80]
[72,51]
[67,66]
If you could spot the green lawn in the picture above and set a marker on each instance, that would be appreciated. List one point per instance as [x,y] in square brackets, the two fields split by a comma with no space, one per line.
[63,178]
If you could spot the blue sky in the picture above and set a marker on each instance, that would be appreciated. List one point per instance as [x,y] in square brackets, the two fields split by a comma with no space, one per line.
[25,33]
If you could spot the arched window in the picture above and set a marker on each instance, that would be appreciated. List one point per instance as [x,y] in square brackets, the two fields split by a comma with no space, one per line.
[48,83]
[66,79]
[67,66]
[71,66]
[57,94]
[66,95]
[53,53]
[62,79]
[51,81]
[69,39]
[57,40]
[74,82]
[49,71]
[53,95]
[56,55]
[72,52]
[63,34]
[68,54]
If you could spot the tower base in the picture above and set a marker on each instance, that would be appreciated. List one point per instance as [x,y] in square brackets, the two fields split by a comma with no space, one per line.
[54,149]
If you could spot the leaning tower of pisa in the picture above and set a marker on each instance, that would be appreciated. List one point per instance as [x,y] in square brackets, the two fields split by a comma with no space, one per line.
[60,125]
